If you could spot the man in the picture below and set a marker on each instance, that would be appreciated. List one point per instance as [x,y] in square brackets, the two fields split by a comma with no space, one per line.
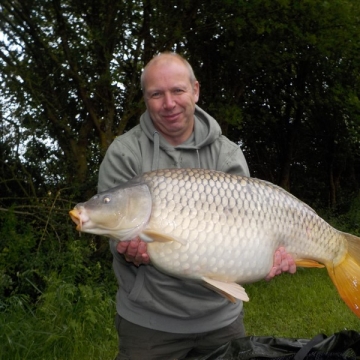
[158,316]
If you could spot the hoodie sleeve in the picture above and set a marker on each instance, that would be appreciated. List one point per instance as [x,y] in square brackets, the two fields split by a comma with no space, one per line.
[120,164]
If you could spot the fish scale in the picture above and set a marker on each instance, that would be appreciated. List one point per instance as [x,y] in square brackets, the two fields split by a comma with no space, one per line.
[221,229]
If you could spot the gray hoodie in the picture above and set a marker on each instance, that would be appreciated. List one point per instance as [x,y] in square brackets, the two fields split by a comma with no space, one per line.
[146,296]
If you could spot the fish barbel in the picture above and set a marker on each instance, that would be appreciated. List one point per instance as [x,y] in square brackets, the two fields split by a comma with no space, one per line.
[221,229]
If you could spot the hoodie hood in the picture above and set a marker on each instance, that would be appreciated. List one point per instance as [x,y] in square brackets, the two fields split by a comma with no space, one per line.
[206,131]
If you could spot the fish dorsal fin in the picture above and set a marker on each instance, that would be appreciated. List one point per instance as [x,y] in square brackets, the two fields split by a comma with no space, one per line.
[307,263]
[229,290]
[153,235]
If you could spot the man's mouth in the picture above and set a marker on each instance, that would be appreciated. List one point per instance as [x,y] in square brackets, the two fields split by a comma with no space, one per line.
[171,117]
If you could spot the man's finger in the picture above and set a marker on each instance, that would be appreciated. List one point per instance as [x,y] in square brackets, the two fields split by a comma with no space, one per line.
[132,250]
[277,258]
[271,274]
[292,265]
[122,246]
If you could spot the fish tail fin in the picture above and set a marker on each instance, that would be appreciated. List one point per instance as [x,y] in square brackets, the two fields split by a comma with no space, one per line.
[346,274]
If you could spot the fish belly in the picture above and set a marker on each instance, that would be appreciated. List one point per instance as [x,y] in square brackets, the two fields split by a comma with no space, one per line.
[235,262]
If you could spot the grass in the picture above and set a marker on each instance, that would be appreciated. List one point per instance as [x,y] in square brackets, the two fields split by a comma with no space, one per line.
[297,306]
[76,322]
[70,322]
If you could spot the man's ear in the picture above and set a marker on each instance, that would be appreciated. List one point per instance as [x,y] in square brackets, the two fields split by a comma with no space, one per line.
[196,91]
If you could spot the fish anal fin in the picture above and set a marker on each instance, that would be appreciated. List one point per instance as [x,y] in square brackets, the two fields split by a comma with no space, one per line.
[229,290]
[153,235]
[222,293]
[308,263]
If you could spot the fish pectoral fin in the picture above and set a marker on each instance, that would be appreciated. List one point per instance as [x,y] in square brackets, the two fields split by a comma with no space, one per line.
[229,290]
[308,263]
[153,235]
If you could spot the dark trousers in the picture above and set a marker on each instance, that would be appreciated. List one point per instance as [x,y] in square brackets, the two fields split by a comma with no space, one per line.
[138,343]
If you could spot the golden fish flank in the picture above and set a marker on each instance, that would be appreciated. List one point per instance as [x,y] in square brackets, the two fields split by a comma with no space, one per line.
[222,229]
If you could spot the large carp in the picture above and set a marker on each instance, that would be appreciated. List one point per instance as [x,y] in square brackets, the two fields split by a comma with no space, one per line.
[221,229]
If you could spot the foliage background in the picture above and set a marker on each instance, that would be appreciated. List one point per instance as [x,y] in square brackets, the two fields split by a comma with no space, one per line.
[280,76]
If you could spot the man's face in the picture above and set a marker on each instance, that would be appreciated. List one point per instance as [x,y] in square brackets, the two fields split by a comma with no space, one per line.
[170,98]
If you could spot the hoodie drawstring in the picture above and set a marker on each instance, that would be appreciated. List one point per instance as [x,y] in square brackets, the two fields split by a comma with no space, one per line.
[155,162]
[198,156]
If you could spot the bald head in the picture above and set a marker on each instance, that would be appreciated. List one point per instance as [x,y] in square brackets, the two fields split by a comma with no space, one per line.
[166,58]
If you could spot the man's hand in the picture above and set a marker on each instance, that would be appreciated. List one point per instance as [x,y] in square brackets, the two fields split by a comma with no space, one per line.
[134,251]
[283,262]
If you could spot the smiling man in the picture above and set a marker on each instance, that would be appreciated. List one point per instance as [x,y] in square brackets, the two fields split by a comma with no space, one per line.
[171,92]
[159,316]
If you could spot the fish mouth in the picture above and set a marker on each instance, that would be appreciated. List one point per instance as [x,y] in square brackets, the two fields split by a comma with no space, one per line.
[75,217]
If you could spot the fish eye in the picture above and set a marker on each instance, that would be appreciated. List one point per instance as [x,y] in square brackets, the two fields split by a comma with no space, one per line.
[107,200]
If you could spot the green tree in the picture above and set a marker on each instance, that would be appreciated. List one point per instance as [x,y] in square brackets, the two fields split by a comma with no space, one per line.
[65,64]
[268,70]
[288,73]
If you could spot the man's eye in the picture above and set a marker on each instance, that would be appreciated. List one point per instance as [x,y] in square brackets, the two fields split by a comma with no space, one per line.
[178,91]
[155,95]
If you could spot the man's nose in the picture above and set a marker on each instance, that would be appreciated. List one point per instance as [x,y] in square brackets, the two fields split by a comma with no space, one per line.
[168,101]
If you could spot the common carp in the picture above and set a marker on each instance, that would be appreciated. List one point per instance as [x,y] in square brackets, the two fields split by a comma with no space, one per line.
[221,229]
